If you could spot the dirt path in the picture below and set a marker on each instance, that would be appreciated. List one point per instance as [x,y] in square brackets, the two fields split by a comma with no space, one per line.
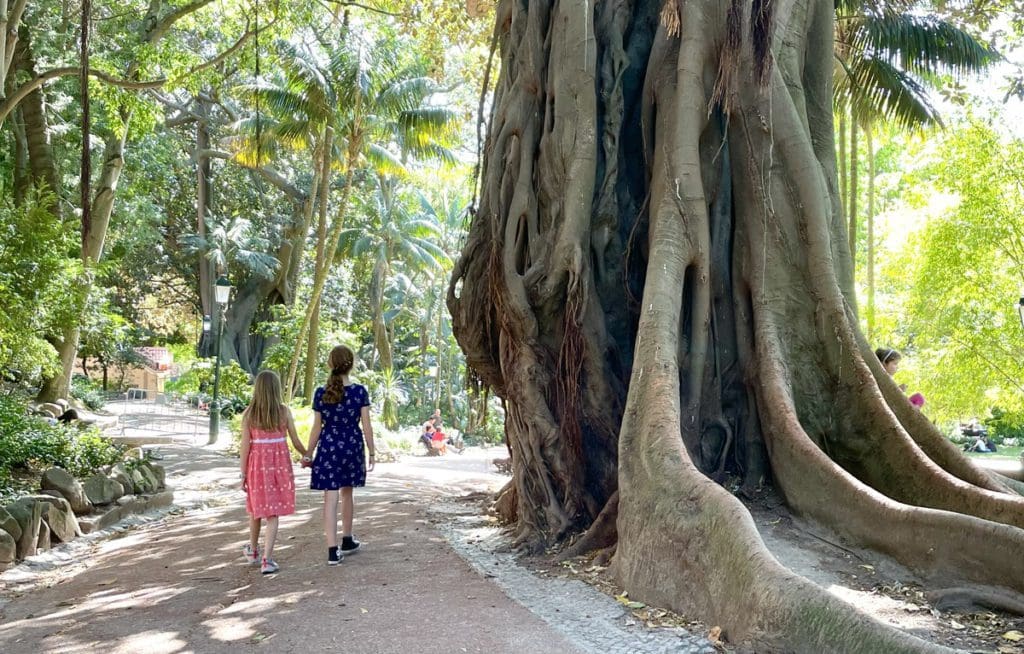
[180,585]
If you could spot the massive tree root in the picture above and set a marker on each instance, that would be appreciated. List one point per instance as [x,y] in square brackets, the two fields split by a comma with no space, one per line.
[657,284]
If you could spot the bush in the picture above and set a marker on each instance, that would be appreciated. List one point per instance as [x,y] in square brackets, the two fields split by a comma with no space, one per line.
[196,384]
[1005,424]
[30,443]
[87,392]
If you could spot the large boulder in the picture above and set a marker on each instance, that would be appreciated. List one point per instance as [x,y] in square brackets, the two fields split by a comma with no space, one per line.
[59,480]
[123,476]
[29,516]
[8,548]
[9,524]
[57,515]
[102,490]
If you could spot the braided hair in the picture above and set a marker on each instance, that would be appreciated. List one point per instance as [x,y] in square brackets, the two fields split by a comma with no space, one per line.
[340,362]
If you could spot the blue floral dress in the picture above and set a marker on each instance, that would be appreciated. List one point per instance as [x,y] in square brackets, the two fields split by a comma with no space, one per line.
[340,460]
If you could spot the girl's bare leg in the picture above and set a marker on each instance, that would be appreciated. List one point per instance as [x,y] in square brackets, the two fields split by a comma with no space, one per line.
[347,508]
[268,551]
[331,517]
[254,533]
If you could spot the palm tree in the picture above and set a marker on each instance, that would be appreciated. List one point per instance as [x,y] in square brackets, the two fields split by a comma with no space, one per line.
[888,56]
[395,230]
[374,113]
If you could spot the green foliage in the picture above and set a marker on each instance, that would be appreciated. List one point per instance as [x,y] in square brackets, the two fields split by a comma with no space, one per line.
[234,390]
[1005,424]
[87,391]
[36,283]
[32,443]
[948,295]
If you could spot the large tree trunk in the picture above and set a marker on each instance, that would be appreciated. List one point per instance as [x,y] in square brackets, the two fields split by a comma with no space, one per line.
[659,285]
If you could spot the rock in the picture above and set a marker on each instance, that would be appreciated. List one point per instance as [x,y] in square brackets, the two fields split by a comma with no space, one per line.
[160,474]
[8,548]
[9,524]
[120,474]
[133,453]
[102,490]
[140,482]
[62,403]
[59,517]
[29,515]
[152,481]
[51,409]
[58,479]
[52,493]
[43,543]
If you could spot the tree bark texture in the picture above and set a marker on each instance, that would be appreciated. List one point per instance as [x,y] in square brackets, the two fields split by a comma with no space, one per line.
[658,283]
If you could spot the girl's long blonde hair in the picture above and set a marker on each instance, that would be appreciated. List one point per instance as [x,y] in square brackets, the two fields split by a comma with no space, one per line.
[266,411]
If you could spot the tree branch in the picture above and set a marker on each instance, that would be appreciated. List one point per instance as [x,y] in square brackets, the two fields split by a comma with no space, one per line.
[271,175]
[158,30]
[359,5]
[28,87]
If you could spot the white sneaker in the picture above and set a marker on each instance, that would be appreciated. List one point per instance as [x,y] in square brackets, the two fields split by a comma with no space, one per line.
[269,567]
[252,556]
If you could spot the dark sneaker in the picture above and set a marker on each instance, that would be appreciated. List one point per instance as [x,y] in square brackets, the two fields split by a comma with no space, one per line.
[349,545]
[269,567]
[252,556]
[334,557]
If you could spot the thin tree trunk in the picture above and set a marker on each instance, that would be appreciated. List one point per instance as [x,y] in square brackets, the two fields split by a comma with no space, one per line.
[312,360]
[320,259]
[844,190]
[320,275]
[852,213]
[871,234]
[203,187]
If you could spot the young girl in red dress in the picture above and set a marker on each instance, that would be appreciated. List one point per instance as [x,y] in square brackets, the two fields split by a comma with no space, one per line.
[267,477]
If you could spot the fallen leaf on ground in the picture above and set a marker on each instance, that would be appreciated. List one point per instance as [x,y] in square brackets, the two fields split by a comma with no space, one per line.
[715,635]
[1013,635]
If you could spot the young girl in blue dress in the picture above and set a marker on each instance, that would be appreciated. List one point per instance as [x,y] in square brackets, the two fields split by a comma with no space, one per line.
[340,408]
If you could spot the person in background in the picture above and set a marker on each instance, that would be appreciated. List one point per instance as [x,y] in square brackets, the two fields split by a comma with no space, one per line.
[890,360]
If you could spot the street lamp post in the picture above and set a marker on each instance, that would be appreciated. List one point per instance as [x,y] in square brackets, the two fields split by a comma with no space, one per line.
[222,293]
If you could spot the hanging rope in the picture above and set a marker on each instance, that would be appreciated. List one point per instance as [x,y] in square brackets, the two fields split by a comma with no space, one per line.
[86,122]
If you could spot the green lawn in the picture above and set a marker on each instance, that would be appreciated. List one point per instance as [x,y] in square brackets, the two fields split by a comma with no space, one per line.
[1002,453]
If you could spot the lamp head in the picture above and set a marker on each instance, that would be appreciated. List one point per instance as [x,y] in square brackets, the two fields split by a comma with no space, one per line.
[222,290]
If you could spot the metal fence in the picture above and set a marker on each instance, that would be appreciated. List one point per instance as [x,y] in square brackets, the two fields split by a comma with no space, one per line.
[157,417]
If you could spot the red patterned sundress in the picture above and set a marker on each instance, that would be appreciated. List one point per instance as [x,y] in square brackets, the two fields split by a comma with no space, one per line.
[271,482]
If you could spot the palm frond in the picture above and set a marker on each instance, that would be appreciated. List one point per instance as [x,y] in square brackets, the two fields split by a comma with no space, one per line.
[921,45]
[875,88]
[384,161]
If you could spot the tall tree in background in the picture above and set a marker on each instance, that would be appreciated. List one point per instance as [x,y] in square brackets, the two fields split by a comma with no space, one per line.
[659,285]
[378,101]
[888,57]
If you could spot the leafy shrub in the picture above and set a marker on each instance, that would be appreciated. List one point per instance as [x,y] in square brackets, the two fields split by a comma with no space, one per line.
[32,443]
[87,392]
[1005,424]
[235,389]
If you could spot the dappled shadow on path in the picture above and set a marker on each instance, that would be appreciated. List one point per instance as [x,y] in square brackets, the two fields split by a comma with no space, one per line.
[182,585]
